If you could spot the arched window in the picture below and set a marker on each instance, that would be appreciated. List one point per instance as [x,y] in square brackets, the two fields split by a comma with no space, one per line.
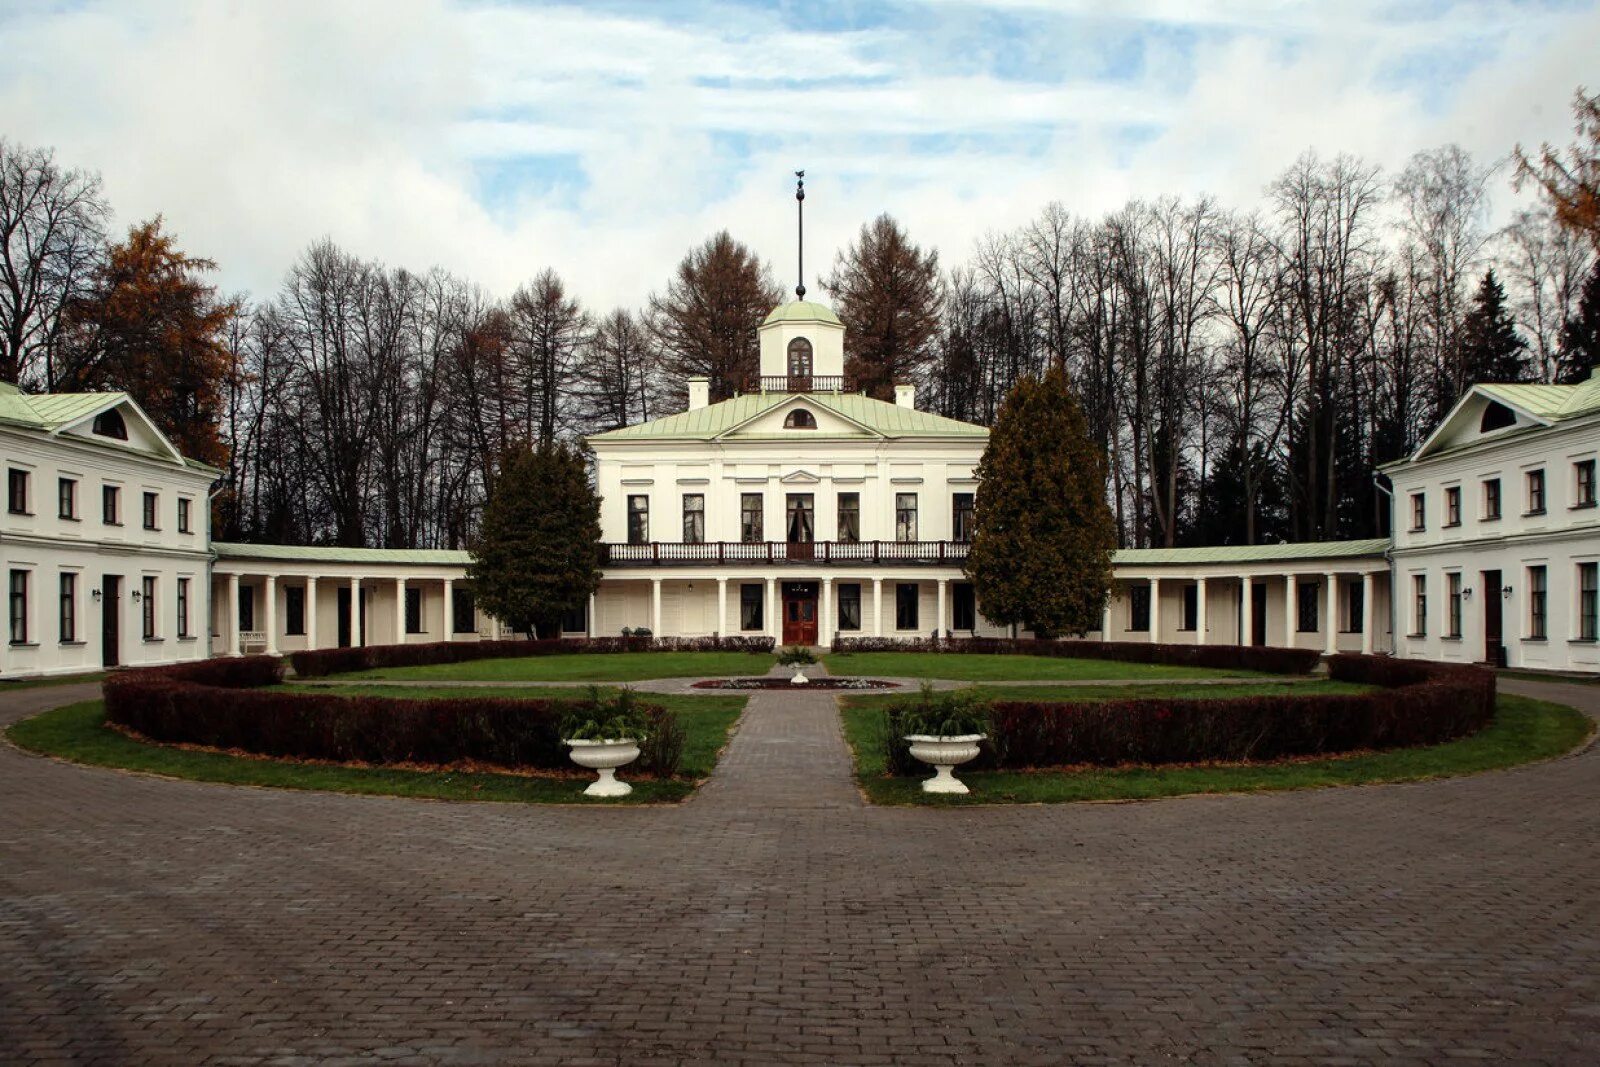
[799,358]
[800,419]
[1497,417]
[110,424]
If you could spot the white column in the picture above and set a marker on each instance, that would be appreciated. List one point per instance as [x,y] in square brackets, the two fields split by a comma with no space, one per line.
[399,611]
[1369,588]
[941,631]
[1155,610]
[1200,611]
[449,609]
[1247,611]
[1291,608]
[357,639]
[311,612]
[774,611]
[877,607]
[232,620]
[589,619]
[1105,616]
[722,607]
[271,614]
[1331,616]
[825,619]
[655,607]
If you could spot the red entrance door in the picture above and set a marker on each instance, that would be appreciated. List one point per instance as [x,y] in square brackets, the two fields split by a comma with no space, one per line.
[799,613]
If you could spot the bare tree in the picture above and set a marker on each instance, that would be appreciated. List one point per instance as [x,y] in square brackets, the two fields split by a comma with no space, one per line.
[1545,264]
[548,329]
[708,317]
[617,379]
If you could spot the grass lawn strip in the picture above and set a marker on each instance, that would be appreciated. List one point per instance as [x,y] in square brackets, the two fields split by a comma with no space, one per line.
[582,667]
[985,667]
[50,680]
[78,733]
[1524,730]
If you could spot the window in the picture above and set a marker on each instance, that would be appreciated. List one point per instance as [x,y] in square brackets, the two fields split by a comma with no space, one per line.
[576,620]
[963,607]
[413,610]
[19,607]
[148,596]
[1496,417]
[800,524]
[110,424]
[183,608]
[17,491]
[464,613]
[294,610]
[1190,617]
[1584,472]
[750,597]
[694,518]
[183,514]
[69,607]
[247,608]
[962,514]
[1538,603]
[110,497]
[1588,594]
[1452,593]
[800,419]
[905,516]
[799,358]
[1306,603]
[1452,507]
[1536,492]
[1419,512]
[850,606]
[1419,605]
[1139,609]
[1491,499]
[638,520]
[67,498]
[905,606]
[849,518]
[152,505]
[750,514]
[1355,605]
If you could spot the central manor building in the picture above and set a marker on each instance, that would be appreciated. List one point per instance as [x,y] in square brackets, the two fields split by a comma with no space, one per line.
[804,510]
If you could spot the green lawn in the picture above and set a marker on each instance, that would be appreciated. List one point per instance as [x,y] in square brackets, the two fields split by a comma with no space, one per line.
[1523,730]
[984,667]
[51,680]
[78,733]
[583,667]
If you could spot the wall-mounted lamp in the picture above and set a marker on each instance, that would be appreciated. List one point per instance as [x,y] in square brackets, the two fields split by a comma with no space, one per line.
[1466,594]
[136,596]
[97,594]
[1505,591]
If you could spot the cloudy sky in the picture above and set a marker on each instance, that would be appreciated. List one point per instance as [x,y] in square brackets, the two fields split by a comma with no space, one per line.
[604,138]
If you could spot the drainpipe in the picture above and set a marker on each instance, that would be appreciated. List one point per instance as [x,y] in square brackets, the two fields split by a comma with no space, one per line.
[1394,576]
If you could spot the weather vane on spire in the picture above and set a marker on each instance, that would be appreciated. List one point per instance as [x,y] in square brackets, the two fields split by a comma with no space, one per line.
[800,218]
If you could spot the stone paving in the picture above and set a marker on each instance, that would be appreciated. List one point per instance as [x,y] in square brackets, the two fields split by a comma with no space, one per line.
[776,919]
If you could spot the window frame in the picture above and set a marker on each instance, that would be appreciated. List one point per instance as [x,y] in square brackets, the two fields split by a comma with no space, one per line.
[1534,489]
[185,507]
[67,499]
[800,516]
[963,517]
[17,597]
[19,488]
[1453,616]
[1419,605]
[67,616]
[111,505]
[1419,512]
[462,606]
[638,519]
[849,504]
[1452,506]
[1493,502]
[963,600]
[907,604]
[413,610]
[752,519]
[849,594]
[905,518]
[150,510]
[147,609]
[1139,609]
[752,606]
[1583,472]
[1308,605]
[1538,602]
[1588,601]
[182,607]
[694,519]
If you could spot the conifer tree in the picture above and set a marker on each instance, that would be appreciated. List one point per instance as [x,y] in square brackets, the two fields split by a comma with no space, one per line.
[888,293]
[1580,336]
[538,554]
[1491,351]
[1041,549]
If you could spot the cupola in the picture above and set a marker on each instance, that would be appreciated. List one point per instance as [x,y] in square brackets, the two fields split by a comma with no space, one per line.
[802,339]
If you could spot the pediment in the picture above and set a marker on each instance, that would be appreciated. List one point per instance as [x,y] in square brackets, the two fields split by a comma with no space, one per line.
[800,477]
[774,422]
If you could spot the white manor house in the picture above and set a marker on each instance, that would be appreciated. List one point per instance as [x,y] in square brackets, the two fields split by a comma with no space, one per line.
[803,510]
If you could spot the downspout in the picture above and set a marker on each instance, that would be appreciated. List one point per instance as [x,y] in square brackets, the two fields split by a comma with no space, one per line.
[1388,555]
[211,561]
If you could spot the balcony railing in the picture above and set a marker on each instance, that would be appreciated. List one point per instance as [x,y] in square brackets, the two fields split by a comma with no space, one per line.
[799,383]
[846,553]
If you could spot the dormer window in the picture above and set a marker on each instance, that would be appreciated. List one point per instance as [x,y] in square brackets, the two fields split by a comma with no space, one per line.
[799,358]
[800,419]
[1496,417]
[110,424]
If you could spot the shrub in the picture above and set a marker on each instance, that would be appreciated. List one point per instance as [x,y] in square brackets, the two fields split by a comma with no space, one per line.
[1222,657]
[951,714]
[796,656]
[325,661]
[606,718]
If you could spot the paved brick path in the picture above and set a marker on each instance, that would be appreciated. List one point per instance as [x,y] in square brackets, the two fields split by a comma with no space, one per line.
[776,919]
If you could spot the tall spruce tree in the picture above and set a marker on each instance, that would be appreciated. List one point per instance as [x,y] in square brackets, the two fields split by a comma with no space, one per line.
[1580,335]
[537,556]
[1041,549]
[1491,351]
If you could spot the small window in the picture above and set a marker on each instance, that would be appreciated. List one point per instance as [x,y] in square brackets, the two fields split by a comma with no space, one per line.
[750,515]
[1419,605]
[1538,603]
[905,517]
[1588,601]
[18,601]
[800,419]
[1452,506]
[849,518]
[800,359]
[638,520]
[1496,417]
[67,498]
[247,608]
[17,491]
[750,598]
[110,501]
[1139,609]
[905,606]
[694,518]
[413,610]
[1419,512]
[1355,607]
[148,595]
[183,607]
[1306,604]
[1536,492]
[1491,499]
[1190,619]
[1583,471]
[69,607]
[850,606]
[963,516]
[110,424]
[183,514]
[152,510]
[963,607]
[1452,589]
[463,611]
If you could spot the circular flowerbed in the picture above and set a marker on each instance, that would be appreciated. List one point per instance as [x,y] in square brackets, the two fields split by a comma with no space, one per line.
[785,683]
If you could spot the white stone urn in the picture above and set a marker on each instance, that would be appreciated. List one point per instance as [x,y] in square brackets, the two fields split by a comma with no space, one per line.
[944,754]
[605,756]
[799,675]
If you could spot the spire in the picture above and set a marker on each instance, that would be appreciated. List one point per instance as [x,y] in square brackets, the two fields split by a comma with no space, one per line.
[800,219]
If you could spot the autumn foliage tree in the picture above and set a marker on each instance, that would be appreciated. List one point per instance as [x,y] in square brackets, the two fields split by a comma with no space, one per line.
[888,293]
[708,317]
[1041,548]
[152,327]
[1571,179]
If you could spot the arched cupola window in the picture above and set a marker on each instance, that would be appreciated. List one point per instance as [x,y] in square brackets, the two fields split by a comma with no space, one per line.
[110,424]
[800,419]
[1496,417]
[800,358]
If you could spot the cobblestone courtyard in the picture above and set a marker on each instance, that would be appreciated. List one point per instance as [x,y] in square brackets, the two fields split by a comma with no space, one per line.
[775,918]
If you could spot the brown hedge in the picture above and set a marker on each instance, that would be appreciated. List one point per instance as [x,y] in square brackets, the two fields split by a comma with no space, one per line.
[233,704]
[326,661]
[1222,657]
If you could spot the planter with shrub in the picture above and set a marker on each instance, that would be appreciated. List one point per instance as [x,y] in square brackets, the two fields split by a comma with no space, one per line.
[604,735]
[943,731]
[799,657]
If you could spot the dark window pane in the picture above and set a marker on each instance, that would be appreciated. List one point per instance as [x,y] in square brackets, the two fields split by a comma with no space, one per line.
[964,608]
[905,606]
[850,607]
[750,598]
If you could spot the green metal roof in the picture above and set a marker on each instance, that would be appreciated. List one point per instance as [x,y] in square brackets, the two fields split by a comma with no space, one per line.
[49,411]
[802,311]
[1553,402]
[443,557]
[714,420]
[1302,551]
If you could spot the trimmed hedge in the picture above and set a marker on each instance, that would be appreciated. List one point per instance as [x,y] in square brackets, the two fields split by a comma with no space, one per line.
[231,704]
[1223,657]
[325,661]
[1419,704]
